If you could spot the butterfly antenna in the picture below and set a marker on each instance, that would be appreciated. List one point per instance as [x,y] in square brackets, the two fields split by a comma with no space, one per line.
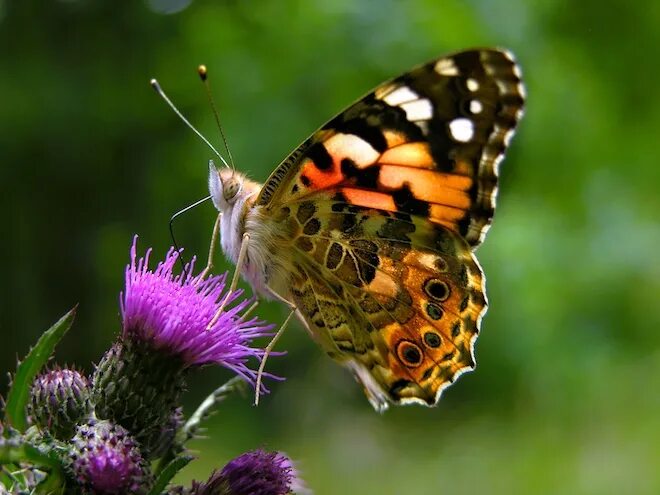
[203,75]
[174,217]
[161,93]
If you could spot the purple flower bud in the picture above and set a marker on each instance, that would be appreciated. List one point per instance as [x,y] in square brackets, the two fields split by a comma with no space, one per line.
[258,473]
[106,460]
[59,400]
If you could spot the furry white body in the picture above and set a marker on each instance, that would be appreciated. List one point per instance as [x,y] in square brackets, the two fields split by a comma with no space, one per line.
[264,271]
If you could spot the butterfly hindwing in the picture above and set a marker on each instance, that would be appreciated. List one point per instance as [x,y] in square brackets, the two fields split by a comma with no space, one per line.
[390,293]
[426,143]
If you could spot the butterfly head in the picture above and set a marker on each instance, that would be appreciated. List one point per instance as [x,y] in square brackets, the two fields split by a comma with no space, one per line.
[225,186]
[230,188]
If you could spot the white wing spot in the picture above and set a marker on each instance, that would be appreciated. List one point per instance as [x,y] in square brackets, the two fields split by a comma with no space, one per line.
[472,84]
[462,130]
[446,67]
[476,106]
[400,95]
[418,110]
[362,152]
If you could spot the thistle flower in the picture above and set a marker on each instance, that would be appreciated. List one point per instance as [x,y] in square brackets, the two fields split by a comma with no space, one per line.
[257,472]
[58,400]
[105,459]
[171,313]
[170,324]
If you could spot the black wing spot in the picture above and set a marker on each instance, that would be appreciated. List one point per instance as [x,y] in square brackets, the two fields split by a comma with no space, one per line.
[366,177]
[409,353]
[360,128]
[320,156]
[464,304]
[432,339]
[305,211]
[406,201]
[334,257]
[312,226]
[434,311]
[436,289]
[397,387]
[448,356]
[427,374]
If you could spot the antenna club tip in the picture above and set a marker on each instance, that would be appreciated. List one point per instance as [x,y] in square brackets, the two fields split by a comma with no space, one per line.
[201,70]
[154,84]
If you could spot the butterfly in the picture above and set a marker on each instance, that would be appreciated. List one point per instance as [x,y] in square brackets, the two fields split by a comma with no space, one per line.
[368,229]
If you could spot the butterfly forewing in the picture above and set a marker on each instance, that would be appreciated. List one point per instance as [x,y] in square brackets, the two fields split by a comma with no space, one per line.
[426,143]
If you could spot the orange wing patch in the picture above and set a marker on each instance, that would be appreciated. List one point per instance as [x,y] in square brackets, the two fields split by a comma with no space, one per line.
[451,119]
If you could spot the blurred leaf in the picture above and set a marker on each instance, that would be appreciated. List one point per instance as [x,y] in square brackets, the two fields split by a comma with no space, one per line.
[205,409]
[168,472]
[17,399]
[16,452]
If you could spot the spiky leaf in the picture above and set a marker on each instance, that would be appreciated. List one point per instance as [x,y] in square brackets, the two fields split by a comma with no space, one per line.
[168,472]
[19,394]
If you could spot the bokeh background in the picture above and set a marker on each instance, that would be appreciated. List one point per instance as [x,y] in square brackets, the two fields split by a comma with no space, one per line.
[566,396]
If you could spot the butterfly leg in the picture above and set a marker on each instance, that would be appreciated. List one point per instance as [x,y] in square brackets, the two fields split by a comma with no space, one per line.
[273,341]
[242,253]
[234,281]
[250,309]
[212,248]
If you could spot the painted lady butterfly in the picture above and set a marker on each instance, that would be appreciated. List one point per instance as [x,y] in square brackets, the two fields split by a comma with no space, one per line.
[368,229]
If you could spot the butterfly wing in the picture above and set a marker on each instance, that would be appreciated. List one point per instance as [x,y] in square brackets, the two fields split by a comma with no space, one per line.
[383,207]
[426,143]
[395,297]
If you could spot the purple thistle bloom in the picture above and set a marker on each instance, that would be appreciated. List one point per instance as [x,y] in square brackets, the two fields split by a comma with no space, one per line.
[257,472]
[171,313]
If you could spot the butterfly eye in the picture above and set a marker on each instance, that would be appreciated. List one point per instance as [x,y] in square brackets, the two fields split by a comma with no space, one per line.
[230,189]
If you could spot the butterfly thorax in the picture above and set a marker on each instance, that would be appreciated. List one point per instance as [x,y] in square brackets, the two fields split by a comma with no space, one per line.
[234,196]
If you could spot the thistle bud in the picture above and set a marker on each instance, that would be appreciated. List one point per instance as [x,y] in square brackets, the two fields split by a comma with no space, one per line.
[59,400]
[105,460]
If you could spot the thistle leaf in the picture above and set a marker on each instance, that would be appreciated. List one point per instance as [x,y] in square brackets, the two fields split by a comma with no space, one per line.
[168,472]
[19,393]
[17,452]
[206,407]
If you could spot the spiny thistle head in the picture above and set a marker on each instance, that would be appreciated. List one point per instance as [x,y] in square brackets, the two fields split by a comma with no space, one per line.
[257,472]
[170,324]
[60,398]
[163,438]
[106,460]
[177,315]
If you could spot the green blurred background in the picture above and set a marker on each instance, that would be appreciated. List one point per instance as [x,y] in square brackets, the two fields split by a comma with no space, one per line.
[566,396]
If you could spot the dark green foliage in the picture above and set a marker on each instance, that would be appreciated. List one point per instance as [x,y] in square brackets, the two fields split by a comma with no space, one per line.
[168,472]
